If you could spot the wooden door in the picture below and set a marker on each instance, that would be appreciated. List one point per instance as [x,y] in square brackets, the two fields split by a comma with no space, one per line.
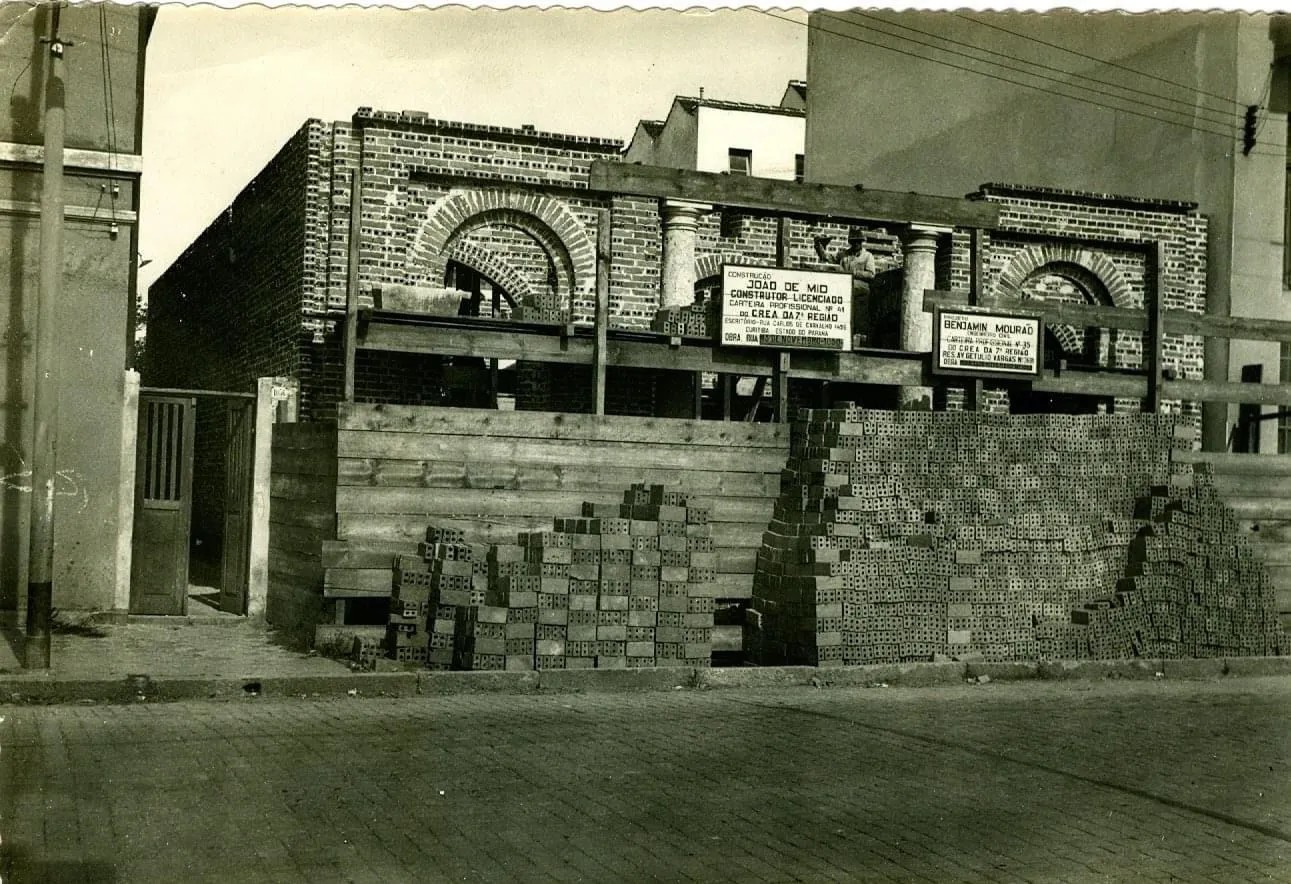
[238,454]
[163,505]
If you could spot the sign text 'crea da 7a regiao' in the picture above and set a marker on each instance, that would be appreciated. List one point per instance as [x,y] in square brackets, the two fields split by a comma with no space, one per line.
[786,309]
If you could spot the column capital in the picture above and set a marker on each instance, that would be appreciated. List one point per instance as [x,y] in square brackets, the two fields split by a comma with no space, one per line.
[683,210]
[923,236]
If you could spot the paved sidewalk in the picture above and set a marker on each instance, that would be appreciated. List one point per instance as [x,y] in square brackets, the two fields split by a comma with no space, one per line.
[1039,781]
[168,647]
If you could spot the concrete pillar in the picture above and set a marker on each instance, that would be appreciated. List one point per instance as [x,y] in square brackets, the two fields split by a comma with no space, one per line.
[919,251]
[125,490]
[675,396]
[261,461]
[680,222]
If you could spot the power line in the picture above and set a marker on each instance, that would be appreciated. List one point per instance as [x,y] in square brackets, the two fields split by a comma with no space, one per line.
[1041,76]
[1226,120]
[1232,137]
[1224,98]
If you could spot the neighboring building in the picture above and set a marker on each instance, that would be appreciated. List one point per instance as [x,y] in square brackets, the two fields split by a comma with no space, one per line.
[1160,112]
[708,135]
[103,76]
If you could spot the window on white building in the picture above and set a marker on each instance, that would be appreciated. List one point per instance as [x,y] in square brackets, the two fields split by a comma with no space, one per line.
[799,168]
[740,161]
[1284,419]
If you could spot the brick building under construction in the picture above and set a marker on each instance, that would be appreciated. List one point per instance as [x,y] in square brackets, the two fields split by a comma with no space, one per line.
[490,268]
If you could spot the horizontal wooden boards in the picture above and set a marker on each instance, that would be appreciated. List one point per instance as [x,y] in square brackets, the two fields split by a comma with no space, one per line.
[786,197]
[417,446]
[555,425]
[1226,463]
[545,477]
[493,502]
[388,527]
[381,554]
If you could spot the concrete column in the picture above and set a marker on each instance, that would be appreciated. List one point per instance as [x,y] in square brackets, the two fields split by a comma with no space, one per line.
[261,462]
[680,222]
[675,396]
[125,490]
[919,251]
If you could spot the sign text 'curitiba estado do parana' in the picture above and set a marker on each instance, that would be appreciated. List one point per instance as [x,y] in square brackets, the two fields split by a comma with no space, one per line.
[786,309]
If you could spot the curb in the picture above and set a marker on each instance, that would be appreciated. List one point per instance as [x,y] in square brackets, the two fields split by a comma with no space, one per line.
[49,689]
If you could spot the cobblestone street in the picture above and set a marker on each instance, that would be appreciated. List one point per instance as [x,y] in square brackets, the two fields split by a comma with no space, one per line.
[1035,781]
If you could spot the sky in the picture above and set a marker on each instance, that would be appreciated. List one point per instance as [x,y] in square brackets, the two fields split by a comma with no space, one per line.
[225,88]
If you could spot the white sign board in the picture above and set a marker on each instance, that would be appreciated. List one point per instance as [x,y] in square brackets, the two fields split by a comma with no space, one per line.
[786,309]
[996,344]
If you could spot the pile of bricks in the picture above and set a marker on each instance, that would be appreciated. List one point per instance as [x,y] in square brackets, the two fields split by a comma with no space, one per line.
[624,586]
[447,575]
[698,320]
[1192,587]
[543,307]
[907,535]
[620,587]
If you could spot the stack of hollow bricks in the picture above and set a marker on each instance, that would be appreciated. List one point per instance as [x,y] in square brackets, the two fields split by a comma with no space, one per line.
[698,320]
[620,587]
[1193,586]
[902,536]
[447,576]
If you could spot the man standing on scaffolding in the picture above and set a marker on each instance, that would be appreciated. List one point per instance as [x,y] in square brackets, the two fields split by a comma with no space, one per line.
[859,262]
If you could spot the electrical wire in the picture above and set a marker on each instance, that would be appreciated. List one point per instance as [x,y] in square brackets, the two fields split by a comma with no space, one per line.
[1191,108]
[1041,76]
[1228,136]
[1224,98]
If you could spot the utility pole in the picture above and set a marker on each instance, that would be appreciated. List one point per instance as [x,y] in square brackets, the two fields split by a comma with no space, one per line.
[40,562]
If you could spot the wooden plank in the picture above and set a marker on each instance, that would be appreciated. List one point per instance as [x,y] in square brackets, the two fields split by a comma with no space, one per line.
[555,425]
[407,446]
[299,569]
[787,197]
[1260,508]
[1253,485]
[483,343]
[284,511]
[1273,554]
[1241,328]
[304,488]
[1228,391]
[411,528]
[361,579]
[493,502]
[780,387]
[1155,337]
[603,259]
[1228,463]
[1093,383]
[315,462]
[1053,312]
[308,436]
[1266,530]
[370,554]
[380,472]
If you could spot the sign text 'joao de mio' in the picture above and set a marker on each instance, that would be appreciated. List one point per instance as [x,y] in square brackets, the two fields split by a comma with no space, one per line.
[775,307]
[987,343]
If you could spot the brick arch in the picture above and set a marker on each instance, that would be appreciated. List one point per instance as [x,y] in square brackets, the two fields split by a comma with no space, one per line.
[488,264]
[1071,258]
[710,265]
[1092,272]
[549,221]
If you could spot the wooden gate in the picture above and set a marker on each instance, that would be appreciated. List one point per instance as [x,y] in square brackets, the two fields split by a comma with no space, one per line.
[238,453]
[163,505]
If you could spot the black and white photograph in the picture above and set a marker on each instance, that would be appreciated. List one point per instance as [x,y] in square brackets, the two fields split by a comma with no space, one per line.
[592,443]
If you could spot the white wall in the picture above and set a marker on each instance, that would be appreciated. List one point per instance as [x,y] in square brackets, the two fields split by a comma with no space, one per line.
[774,139]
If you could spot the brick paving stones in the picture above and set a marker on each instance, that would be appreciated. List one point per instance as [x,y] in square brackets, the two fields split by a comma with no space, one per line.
[1034,781]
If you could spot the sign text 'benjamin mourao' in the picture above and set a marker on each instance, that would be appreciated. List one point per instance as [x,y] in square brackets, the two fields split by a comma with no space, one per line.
[775,307]
[988,343]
